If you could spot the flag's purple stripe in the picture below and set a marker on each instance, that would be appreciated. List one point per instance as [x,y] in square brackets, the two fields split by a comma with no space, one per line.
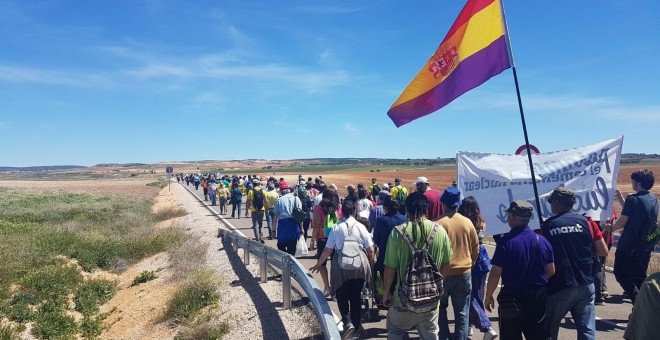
[469,74]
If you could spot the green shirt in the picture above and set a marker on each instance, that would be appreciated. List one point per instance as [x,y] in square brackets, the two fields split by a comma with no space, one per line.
[397,253]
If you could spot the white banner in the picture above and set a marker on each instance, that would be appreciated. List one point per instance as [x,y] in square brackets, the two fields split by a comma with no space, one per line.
[495,180]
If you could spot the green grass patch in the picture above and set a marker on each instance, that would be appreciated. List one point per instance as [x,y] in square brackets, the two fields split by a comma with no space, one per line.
[158,184]
[36,227]
[8,333]
[169,213]
[145,276]
[196,293]
[91,294]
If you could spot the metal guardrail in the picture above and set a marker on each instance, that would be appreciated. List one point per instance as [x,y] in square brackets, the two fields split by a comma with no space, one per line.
[290,268]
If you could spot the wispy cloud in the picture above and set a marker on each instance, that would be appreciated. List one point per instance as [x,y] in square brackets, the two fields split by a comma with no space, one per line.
[350,128]
[602,107]
[50,77]
[300,77]
[329,9]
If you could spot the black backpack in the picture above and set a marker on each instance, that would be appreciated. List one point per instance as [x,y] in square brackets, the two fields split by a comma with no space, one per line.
[258,199]
[649,231]
[375,189]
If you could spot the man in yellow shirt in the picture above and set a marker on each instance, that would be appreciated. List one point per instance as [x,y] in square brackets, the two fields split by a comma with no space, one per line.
[399,194]
[271,197]
[255,200]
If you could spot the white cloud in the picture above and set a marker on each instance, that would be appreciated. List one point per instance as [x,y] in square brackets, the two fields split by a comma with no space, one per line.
[350,128]
[49,77]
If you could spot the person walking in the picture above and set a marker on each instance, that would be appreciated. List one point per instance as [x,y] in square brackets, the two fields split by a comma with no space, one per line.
[212,191]
[433,195]
[288,229]
[572,287]
[421,234]
[271,196]
[633,253]
[478,318]
[255,203]
[382,229]
[236,199]
[326,216]
[399,192]
[222,193]
[348,277]
[458,281]
[524,262]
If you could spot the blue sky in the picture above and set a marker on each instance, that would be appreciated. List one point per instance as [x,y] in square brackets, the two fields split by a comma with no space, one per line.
[86,82]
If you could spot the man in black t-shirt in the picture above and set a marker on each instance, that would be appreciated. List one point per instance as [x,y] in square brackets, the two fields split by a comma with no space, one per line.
[572,286]
[631,259]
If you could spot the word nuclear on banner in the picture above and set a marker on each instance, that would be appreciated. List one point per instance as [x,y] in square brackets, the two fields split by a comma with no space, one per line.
[495,180]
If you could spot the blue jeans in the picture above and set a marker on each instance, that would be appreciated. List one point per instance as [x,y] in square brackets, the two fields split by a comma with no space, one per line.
[459,288]
[257,223]
[269,222]
[580,302]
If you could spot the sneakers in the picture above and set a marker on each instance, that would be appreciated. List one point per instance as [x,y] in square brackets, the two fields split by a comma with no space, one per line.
[262,240]
[605,294]
[326,292]
[599,302]
[348,331]
[471,331]
[490,334]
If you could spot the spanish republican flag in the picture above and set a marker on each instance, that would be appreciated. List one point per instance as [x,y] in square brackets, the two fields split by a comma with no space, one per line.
[474,50]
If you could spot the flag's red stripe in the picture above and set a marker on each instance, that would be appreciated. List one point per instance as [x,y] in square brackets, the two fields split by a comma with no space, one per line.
[470,73]
[471,8]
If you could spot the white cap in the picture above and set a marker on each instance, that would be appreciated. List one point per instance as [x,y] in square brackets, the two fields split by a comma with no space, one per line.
[421,180]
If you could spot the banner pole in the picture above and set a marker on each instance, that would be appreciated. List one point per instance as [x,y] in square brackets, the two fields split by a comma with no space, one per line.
[522,117]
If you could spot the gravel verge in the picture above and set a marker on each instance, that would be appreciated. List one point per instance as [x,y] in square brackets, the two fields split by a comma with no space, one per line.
[252,309]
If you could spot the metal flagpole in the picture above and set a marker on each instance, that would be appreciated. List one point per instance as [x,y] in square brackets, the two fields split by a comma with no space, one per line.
[522,116]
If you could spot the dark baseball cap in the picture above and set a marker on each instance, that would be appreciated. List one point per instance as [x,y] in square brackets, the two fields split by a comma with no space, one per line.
[520,208]
[451,197]
[562,194]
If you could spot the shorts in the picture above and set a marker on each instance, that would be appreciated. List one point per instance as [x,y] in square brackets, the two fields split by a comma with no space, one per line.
[320,246]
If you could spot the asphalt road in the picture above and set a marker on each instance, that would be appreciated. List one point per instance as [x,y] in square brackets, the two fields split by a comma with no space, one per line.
[610,319]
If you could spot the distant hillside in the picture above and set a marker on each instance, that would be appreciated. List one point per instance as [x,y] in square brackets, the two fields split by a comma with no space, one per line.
[40,168]
[116,165]
[632,158]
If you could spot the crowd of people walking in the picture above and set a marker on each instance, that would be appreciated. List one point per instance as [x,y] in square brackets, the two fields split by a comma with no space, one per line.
[422,248]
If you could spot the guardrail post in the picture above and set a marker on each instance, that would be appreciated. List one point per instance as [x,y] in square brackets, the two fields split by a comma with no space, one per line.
[246,253]
[263,265]
[286,282]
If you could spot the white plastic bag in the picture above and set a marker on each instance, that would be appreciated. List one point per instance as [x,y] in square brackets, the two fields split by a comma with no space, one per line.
[301,247]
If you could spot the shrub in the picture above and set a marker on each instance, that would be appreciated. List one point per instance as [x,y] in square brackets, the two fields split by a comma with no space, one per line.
[54,326]
[197,292]
[51,281]
[204,331]
[92,294]
[145,276]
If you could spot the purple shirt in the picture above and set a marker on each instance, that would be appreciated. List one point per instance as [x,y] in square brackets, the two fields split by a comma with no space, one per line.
[513,253]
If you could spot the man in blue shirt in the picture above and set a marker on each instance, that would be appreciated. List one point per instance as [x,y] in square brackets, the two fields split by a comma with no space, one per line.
[524,261]
[572,286]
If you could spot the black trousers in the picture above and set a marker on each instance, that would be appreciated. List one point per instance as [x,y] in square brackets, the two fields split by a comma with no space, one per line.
[349,301]
[531,322]
[630,270]
[288,247]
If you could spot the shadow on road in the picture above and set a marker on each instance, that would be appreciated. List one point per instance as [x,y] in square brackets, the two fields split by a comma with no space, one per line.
[271,323]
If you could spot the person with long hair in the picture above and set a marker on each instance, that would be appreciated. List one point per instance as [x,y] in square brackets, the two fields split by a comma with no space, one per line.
[478,318]
[326,215]
[397,255]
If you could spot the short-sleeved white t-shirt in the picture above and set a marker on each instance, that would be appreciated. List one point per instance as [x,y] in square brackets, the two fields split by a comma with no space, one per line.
[340,231]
